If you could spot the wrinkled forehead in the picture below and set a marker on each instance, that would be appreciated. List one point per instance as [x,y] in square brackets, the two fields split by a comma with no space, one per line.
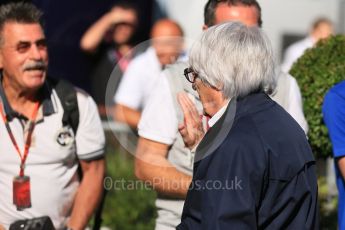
[13,32]
[247,15]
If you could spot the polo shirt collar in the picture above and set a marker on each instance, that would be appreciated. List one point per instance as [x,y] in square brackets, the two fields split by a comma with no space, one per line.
[46,101]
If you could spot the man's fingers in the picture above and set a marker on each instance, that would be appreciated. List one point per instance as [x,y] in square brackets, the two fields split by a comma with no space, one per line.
[185,134]
[193,112]
[191,105]
[188,105]
[186,111]
[189,102]
[181,102]
[192,119]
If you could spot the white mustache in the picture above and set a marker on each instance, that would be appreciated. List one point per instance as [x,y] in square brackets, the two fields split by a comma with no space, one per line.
[38,65]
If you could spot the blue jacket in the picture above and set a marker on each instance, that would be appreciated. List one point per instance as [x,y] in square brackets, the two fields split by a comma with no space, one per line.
[254,169]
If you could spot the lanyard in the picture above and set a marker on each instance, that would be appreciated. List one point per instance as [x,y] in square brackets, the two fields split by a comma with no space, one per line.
[28,138]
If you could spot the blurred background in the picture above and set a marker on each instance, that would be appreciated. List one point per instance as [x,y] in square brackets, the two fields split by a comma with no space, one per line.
[67,20]
[284,21]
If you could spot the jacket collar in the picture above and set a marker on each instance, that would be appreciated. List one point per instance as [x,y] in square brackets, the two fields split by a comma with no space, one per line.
[237,108]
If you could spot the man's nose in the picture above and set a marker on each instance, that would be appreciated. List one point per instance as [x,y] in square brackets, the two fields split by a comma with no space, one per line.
[36,53]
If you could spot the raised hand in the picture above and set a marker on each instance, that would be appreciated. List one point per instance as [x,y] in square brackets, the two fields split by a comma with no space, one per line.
[118,15]
[191,130]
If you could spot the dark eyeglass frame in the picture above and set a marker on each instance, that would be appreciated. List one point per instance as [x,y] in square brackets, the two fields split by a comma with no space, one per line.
[190,74]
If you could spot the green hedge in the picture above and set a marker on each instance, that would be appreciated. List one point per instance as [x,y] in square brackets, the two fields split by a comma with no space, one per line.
[126,207]
[316,72]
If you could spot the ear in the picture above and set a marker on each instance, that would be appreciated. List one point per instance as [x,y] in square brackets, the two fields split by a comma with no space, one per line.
[204,27]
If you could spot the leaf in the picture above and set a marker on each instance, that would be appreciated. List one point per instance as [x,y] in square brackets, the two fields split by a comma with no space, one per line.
[318,70]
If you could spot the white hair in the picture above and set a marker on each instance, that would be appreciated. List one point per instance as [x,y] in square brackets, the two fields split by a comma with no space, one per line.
[236,58]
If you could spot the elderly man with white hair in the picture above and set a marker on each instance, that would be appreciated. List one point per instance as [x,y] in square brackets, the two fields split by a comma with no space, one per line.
[253,168]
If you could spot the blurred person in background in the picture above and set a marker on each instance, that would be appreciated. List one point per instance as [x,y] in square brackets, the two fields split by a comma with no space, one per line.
[322,28]
[110,42]
[40,154]
[161,154]
[144,71]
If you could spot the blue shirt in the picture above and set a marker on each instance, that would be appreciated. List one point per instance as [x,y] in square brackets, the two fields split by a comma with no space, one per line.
[334,116]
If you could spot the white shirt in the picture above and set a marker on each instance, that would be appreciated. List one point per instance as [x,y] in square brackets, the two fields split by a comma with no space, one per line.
[158,120]
[138,81]
[294,51]
[217,115]
[51,166]
[295,109]
[288,95]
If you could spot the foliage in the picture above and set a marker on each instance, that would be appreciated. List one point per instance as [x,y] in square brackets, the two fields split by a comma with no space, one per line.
[328,206]
[126,207]
[317,71]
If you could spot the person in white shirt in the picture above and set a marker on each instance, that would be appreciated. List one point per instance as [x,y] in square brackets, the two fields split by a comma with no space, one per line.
[40,153]
[321,29]
[143,72]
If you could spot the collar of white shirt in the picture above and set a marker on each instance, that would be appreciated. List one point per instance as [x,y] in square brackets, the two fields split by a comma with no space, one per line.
[218,115]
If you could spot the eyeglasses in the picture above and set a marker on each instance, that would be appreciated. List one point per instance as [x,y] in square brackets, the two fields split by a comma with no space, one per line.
[190,74]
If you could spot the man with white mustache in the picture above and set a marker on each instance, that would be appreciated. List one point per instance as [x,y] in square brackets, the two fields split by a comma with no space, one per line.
[40,154]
